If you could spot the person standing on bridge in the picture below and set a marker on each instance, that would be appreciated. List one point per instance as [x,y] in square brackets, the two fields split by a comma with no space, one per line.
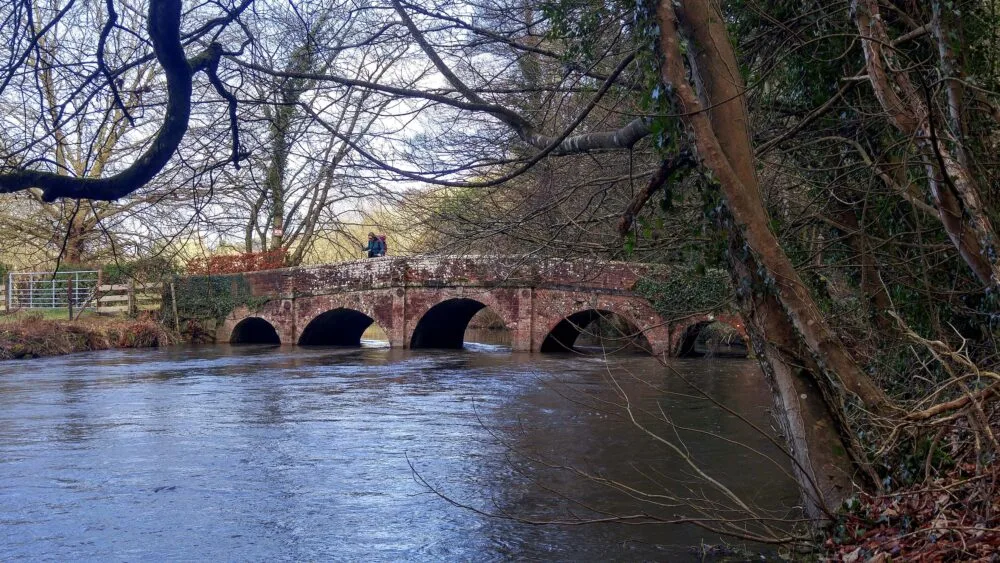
[375,246]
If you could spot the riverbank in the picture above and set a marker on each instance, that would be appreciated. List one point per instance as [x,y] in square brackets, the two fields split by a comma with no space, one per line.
[33,336]
[955,517]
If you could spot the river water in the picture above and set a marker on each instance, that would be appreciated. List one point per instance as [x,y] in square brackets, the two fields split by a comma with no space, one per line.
[266,453]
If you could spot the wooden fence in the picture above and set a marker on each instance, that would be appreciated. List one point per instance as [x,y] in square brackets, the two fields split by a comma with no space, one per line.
[126,298]
[129,298]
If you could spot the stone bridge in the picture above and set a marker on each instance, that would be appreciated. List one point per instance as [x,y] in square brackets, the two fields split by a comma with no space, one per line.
[427,302]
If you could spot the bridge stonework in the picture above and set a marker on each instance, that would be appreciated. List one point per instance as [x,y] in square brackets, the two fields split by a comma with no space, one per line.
[427,302]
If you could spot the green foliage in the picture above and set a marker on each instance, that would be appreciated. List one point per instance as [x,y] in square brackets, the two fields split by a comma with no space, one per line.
[151,269]
[908,466]
[211,297]
[630,243]
[684,291]
[584,24]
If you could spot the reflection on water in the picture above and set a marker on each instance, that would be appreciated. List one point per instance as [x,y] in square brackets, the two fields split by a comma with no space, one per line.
[375,336]
[264,453]
[493,336]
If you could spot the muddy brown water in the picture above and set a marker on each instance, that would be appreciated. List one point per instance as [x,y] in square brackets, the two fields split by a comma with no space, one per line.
[373,454]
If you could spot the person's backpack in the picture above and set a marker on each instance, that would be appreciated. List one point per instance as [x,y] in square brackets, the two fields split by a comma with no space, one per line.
[382,246]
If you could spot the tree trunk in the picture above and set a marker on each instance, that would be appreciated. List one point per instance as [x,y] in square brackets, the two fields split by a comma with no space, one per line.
[785,323]
[954,86]
[76,238]
[952,184]
[723,141]
[820,459]
[275,182]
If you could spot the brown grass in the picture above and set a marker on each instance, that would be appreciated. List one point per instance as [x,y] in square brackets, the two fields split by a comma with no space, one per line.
[33,336]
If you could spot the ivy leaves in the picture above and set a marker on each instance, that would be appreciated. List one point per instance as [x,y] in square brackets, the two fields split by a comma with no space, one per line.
[213,297]
[683,291]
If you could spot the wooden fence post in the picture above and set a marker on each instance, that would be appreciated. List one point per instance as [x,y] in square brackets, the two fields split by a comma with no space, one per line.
[173,302]
[132,308]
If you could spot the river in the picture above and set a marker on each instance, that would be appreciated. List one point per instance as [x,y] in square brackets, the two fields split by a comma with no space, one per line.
[266,453]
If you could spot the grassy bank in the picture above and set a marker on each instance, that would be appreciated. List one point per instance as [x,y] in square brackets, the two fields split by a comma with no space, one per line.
[34,335]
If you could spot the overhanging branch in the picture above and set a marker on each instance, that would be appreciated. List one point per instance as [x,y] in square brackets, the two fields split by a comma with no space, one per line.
[623,138]
[164,32]
[668,166]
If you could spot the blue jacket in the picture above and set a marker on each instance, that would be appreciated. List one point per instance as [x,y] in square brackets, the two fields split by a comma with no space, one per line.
[375,248]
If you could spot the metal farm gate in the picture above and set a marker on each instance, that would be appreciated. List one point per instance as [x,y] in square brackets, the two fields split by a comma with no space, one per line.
[51,290]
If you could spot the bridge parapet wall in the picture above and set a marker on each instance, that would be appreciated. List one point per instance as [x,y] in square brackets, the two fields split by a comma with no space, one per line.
[451,271]
[375,273]
[523,271]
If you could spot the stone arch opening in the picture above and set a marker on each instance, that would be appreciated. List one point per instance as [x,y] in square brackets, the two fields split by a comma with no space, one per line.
[598,330]
[338,327]
[444,325]
[487,326]
[712,338]
[254,330]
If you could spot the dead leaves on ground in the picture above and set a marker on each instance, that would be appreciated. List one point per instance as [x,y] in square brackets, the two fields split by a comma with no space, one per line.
[952,518]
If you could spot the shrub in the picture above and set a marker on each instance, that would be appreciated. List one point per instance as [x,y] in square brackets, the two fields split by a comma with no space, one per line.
[683,291]
[143,270]
[210,297]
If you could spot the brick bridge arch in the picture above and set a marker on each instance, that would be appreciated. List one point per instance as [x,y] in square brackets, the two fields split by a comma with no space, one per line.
[438,317]
[270,313]
[562,315]
[427,302]
[341,318]
[254,330]
[684,333]
[563,335]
